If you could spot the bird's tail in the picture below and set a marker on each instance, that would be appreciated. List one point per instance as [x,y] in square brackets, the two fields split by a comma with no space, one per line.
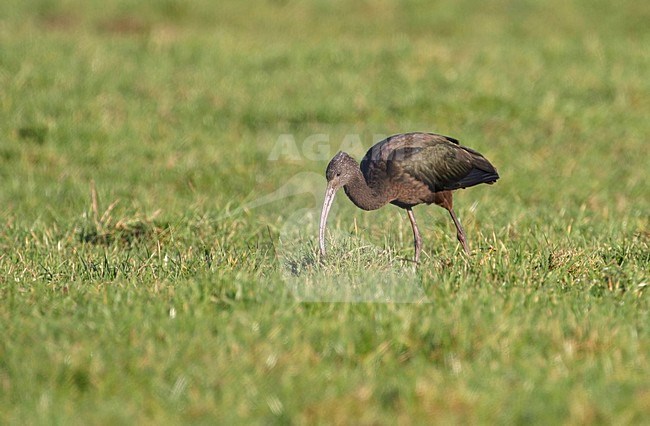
[482,172]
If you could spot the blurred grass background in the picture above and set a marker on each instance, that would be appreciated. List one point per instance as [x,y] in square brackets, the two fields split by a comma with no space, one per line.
[168,112]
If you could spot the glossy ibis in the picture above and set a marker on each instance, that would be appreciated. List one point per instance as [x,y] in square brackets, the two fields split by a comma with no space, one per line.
[407,170]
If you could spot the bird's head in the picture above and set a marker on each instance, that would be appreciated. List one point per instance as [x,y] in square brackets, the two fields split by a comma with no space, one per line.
[340,171]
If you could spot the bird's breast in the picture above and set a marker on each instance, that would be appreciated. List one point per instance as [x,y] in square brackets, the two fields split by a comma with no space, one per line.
[408,191]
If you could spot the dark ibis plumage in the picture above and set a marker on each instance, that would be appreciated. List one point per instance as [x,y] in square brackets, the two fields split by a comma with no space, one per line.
[406,170]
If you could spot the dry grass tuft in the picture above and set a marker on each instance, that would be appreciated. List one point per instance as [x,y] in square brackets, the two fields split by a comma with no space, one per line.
[105,229]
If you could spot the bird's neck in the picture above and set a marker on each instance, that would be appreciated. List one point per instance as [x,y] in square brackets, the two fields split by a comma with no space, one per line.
[362,195]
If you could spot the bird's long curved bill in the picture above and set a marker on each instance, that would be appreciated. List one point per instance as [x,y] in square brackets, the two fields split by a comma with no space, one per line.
[327,204]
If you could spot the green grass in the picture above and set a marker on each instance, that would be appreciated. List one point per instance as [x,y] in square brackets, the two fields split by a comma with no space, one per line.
[160,185]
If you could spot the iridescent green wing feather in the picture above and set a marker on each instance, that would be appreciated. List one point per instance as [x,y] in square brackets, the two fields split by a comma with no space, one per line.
[440,163]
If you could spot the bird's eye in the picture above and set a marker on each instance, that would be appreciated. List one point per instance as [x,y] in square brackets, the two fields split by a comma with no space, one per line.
[338,174]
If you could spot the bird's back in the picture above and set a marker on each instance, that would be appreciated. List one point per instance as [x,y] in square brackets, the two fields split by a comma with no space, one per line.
[417,163]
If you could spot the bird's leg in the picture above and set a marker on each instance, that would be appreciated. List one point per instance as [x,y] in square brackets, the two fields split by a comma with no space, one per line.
[460,234]
[417,240]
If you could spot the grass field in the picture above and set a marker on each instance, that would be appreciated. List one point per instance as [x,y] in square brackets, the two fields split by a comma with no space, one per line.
[161,174]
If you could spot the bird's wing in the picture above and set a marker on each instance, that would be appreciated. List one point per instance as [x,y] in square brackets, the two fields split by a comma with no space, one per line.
[441,164]
[380,152]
